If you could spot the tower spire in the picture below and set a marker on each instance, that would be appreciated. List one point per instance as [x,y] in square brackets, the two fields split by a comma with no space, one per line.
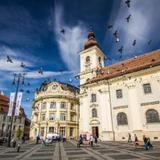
[91,41]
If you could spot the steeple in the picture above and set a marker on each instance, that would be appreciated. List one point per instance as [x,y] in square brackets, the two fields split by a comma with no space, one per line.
[91,41]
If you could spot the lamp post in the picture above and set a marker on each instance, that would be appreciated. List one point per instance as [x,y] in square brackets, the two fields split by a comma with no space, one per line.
[46,128]
[16,81]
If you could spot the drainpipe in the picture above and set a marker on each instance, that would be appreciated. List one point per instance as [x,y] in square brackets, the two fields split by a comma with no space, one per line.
[110,104]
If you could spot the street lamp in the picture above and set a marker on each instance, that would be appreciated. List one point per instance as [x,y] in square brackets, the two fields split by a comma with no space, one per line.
[17,79]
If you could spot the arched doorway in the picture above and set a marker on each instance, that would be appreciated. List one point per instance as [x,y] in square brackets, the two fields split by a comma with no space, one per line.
[95,131]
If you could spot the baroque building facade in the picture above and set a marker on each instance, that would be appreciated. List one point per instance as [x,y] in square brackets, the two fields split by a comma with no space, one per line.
[121,98]
[55,110]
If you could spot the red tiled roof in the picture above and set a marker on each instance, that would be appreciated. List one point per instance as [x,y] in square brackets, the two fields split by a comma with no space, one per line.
[135,64]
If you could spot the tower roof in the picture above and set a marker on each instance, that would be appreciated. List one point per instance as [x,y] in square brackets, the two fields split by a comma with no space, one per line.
[91,41]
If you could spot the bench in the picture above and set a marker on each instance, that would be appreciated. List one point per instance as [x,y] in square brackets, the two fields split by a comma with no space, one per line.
[139,144]
[84,142]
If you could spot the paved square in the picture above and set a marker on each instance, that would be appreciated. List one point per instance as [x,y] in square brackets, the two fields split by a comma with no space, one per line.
[69,151]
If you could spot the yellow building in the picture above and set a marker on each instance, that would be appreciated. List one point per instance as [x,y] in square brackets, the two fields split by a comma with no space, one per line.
[55,110]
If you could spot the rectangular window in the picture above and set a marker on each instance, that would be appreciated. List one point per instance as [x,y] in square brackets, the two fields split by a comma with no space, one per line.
[62,117]
[93,97]
[63,105]
[44,105]
[15,119]
[71,132]
[72,106]
[52,116]
[4,118]
[43,117]
[42,131]
[9,119]
[62,131]
[51,129]
[119,93]
[52,105]
[147,88]
[20,119]
[14,127]
[72,118]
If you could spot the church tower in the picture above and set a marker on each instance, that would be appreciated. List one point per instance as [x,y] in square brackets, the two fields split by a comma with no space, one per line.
[91,58]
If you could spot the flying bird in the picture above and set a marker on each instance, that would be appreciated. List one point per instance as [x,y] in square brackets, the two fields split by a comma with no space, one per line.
[128,3]
[149,42]
[22,65]
[9,59]
[116,34]
[28,91]
[134,43]
[62,31]
[40,71]
[110,26]
[128,18]
[120,49]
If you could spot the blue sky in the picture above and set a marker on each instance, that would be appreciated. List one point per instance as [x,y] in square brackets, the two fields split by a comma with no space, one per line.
[30,33]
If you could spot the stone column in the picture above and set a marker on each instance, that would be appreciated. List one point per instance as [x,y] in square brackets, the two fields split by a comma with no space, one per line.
[134,109]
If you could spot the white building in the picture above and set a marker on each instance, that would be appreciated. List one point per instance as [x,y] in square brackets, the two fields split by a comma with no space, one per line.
[121,98]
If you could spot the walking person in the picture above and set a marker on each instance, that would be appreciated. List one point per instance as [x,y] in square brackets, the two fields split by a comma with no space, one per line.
[23,139]
[129,137]
[149,143]
[96,140]
[37,139]
[136,139]
[91,140]
[145,140]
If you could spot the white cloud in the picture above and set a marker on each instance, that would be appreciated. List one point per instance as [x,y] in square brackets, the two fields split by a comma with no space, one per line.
[71,42]
[46,74]
[16,57]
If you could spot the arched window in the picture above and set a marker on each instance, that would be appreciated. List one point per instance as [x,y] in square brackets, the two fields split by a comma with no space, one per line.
[88,59]
[122,119]
[94,112]
[152,116]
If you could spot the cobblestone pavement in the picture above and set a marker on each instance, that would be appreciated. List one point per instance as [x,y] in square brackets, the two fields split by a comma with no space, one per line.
[69,151]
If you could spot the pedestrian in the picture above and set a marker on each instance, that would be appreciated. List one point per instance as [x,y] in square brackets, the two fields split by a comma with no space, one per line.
[37,139]
[23,139]
[129,137]
[136,139]
[145,140]
[18,146]
[149,143]
[95,139]
[13,141]
[91,140]
[80,141]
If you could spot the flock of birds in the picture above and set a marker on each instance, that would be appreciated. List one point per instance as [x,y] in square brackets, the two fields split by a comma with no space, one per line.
[109,27]
[40,71]
[116,33]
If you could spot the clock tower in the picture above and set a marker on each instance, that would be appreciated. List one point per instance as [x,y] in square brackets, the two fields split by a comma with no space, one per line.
[91,58]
